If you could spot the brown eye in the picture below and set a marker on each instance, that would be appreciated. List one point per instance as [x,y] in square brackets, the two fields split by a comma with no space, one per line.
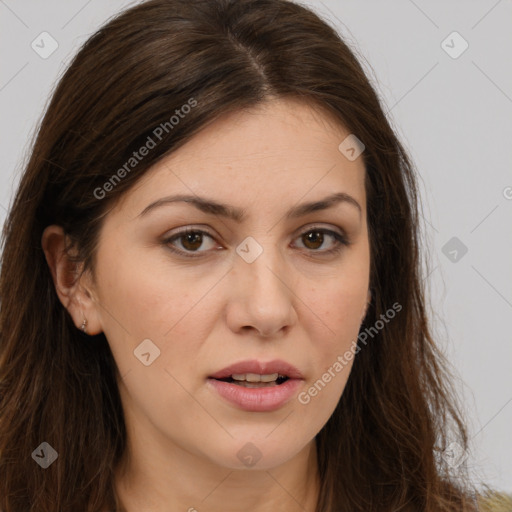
[192,241]
[313,239]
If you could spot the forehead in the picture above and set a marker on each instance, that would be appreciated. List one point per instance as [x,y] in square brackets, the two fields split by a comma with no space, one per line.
[281,150]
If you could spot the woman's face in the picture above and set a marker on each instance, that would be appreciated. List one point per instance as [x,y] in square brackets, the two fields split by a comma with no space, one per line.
[270,286]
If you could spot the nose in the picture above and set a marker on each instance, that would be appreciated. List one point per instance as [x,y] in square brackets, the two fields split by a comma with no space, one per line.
[262,296]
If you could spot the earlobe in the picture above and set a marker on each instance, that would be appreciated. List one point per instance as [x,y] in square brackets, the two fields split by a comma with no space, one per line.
[67,281]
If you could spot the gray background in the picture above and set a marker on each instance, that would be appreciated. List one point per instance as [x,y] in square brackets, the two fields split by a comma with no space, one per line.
[454,115]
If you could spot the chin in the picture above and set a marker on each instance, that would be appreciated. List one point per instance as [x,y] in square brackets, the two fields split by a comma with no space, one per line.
[255,453]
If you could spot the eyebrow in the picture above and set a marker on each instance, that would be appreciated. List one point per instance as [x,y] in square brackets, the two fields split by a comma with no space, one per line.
[238,215]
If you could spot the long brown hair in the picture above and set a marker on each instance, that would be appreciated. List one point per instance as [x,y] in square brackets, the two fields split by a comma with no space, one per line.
[382,447]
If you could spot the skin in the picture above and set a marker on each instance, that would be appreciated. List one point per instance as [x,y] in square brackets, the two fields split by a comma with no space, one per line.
[204,313]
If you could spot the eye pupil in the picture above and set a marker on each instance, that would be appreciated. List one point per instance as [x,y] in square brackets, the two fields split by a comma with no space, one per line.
[316,237]
[192,237]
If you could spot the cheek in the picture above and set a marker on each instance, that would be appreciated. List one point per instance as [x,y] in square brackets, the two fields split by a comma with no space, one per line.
[155,302]
[339,304]
[332,351]
[145,302]
[334,325]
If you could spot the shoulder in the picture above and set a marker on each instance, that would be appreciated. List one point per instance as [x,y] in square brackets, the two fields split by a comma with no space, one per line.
[493,501]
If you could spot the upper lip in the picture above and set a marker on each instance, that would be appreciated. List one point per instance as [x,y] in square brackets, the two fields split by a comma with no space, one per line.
[259,368]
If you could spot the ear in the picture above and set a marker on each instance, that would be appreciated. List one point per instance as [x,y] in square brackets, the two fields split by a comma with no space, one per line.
[75,294]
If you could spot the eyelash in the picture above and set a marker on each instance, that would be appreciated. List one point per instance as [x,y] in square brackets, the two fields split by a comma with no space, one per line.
[342,241]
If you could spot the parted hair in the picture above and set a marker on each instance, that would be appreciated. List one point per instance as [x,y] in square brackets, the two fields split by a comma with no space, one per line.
[382,448]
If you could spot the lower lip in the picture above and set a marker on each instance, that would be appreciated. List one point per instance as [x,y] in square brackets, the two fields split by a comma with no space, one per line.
[257,399]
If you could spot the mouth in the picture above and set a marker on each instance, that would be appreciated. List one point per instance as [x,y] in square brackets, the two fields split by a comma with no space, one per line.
[273,373]
[271,385]
[253,380]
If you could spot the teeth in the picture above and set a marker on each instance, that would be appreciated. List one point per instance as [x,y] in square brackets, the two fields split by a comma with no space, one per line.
[245,384]
[254,377]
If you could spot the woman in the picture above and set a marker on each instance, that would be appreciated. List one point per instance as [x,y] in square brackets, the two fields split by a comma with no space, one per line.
[211,289]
